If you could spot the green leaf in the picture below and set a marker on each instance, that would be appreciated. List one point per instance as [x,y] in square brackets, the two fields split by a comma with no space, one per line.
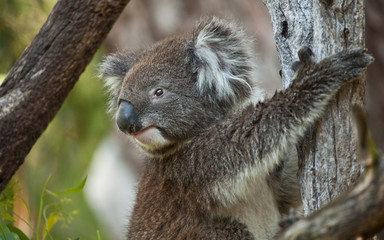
[41,205]
[51,221]
[9,236]
[6,202]
[26,206]
[6,216]
[6,234]
[17,231]
[4,229]
[78,188]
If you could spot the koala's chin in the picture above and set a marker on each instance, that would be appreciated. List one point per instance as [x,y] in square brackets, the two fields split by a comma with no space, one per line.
[154,143]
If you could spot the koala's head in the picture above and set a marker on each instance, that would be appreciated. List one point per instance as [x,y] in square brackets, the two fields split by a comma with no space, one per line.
[182,86]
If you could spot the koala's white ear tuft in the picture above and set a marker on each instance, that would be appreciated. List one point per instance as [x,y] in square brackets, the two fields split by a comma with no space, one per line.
[223,60]
[113,70]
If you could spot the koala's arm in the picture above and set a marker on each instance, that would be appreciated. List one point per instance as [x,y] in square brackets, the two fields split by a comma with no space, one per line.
[283,119]
[261,135]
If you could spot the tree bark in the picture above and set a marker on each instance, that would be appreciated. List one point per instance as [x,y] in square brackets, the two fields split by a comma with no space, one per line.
[328,154]
[37,85]
[356,214]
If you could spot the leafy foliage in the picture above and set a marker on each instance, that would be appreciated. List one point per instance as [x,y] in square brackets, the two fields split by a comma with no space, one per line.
[50,214]
[6,202]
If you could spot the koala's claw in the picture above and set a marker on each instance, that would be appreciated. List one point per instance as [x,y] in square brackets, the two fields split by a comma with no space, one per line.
[306,55]
[295,66]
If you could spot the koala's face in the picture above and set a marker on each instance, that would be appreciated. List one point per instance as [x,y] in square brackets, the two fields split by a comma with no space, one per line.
[159,103]
[181,87]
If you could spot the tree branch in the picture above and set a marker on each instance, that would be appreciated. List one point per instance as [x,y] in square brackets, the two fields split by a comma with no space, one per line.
[37,85]
[356,213]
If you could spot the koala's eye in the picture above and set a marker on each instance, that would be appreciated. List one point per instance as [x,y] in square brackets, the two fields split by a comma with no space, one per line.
[158,92]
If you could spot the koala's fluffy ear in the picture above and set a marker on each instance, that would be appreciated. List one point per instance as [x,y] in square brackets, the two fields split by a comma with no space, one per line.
[223,60]
[113,70]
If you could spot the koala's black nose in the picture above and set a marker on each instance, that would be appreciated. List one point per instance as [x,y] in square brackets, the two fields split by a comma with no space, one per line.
[126,119]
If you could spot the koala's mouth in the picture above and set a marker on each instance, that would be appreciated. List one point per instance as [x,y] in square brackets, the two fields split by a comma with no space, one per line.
[150,136]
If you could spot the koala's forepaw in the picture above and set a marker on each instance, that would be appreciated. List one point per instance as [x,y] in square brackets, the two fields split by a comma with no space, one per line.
[335,69]
[356,56]
[353,62]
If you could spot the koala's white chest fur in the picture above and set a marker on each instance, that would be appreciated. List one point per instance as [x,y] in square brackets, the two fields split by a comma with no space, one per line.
[250,201]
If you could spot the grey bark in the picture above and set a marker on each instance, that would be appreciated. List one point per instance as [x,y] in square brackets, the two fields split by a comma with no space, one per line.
[37,85]
[328,154]
[356,214]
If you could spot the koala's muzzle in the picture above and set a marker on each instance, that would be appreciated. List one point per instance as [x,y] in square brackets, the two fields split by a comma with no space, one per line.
[126,119]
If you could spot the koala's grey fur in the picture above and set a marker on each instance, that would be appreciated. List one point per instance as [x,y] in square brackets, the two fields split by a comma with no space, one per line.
[215,167]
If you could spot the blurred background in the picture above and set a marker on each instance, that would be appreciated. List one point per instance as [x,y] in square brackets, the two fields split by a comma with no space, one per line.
[82,140]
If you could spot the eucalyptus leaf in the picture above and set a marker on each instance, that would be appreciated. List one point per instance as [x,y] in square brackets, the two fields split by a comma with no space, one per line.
[78,188]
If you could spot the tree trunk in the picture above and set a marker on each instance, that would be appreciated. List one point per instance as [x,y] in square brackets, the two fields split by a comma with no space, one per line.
[37,85]
[328,154]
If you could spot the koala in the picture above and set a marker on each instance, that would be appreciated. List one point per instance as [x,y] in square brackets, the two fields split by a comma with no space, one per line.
[218,164]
